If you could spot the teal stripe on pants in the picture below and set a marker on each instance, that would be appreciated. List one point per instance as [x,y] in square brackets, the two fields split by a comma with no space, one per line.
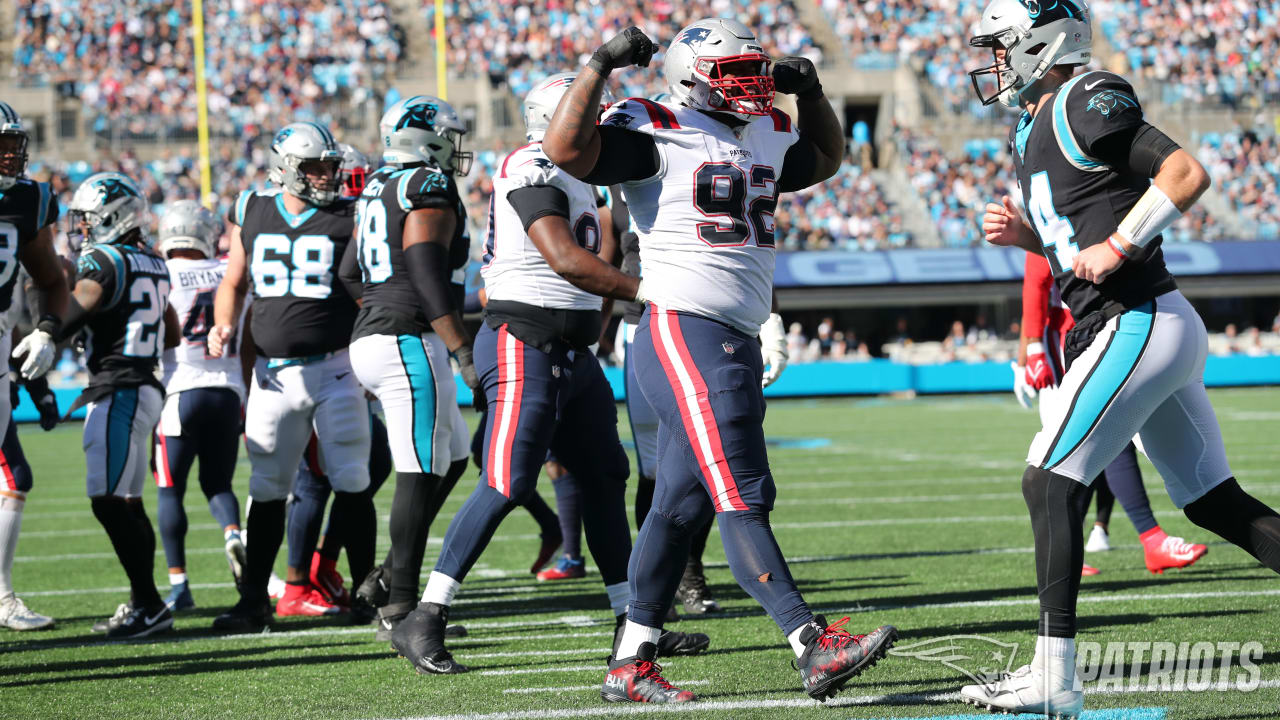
[124,406]
[1124,349]
[422,388]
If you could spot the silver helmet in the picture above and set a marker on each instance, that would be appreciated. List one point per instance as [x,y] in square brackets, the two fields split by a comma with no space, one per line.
[355,170]
[540,104]
[13,159]
[188,225]
[302,143]
[1036,35]
[109,205]
[424,129]
[718,64]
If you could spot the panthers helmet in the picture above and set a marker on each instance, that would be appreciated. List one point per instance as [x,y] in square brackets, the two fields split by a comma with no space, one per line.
[355,169]
[188,225]
[107,205]
[718,64]
[299,143]
[540,104]
[1036,35]
[424,129]
[13,159]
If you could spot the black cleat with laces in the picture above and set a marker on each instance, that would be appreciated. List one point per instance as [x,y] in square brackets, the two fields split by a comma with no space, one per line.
[639,679]
[693,592]
[419,638]
[832,656]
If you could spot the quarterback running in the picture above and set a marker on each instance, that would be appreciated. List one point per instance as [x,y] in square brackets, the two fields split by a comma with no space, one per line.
[1100,185]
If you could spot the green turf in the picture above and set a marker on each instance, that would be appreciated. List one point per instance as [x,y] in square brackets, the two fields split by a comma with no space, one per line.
[906,561]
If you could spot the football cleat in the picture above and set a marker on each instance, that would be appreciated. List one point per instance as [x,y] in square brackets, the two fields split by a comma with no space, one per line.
[304,599]
[547,548]
[832,656]
[328,581]
[1174,552]
[1087,570]
[419,638]
[180,597]
[671,643]
[639,679]
[246,616]
[693,592]
[122,610]
[15,615]
[1027,691]
[1098,540]
[237,559]
[141,622]
[375,589]
[566,569]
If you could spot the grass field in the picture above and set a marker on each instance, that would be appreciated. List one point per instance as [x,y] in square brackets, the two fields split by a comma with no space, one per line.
[903,512]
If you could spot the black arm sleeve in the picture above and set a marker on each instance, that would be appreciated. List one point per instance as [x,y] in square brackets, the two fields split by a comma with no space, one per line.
[349,271]
[537,201]
[798,166]
[1140,150]
[428,265]
[624,155]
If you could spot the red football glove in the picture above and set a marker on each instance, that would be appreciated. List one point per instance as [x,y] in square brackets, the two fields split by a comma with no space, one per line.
[1038,374]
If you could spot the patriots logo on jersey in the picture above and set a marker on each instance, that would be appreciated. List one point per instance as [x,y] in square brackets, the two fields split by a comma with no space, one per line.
[1044,11]
[619,120]
[419,116]
[1110,101]
[695,35]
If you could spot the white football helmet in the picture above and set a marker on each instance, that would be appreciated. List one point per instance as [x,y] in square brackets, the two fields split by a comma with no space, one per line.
[110,206]
[424,129]
[13,161]
[188,225]
[355,170]
[304,142]
[718,64]
[540,104]
[1036,35]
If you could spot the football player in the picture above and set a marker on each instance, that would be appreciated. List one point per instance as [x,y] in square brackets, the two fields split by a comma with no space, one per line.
[701,175]
[122,298]
[544,281]
[411,223]
[1086,158]
[1046,322]
[204,397]
[286,244]
[28,210]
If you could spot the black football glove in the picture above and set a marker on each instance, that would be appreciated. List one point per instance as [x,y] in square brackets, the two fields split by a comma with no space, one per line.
[629,47]
[47,406]
[796,76]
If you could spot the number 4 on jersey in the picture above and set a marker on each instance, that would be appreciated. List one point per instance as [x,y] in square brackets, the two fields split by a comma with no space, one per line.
[1055,231]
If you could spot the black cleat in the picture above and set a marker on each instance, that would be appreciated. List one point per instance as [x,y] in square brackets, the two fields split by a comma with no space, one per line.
[671,643]
[141,622]
[375,589]
[639,679]
[246,616]
[832,656]
[693,592]
[419,638]
[107,623]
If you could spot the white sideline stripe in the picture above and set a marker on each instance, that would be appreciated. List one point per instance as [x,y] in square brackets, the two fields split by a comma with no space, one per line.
[576,688]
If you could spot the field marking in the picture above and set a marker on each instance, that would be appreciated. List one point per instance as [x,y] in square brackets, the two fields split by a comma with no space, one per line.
[575,688]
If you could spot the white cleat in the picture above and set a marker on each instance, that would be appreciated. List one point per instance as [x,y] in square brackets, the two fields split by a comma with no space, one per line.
[1027,691]
[15,615]
[1098,540]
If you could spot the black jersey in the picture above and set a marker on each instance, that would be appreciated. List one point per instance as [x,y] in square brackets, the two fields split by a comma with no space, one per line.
[25,209]
[300,307]
[126,329]
[1074,201]
[391,305]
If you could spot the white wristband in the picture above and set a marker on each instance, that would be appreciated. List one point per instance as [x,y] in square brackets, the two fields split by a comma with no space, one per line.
[1035,348]
[1149,217]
